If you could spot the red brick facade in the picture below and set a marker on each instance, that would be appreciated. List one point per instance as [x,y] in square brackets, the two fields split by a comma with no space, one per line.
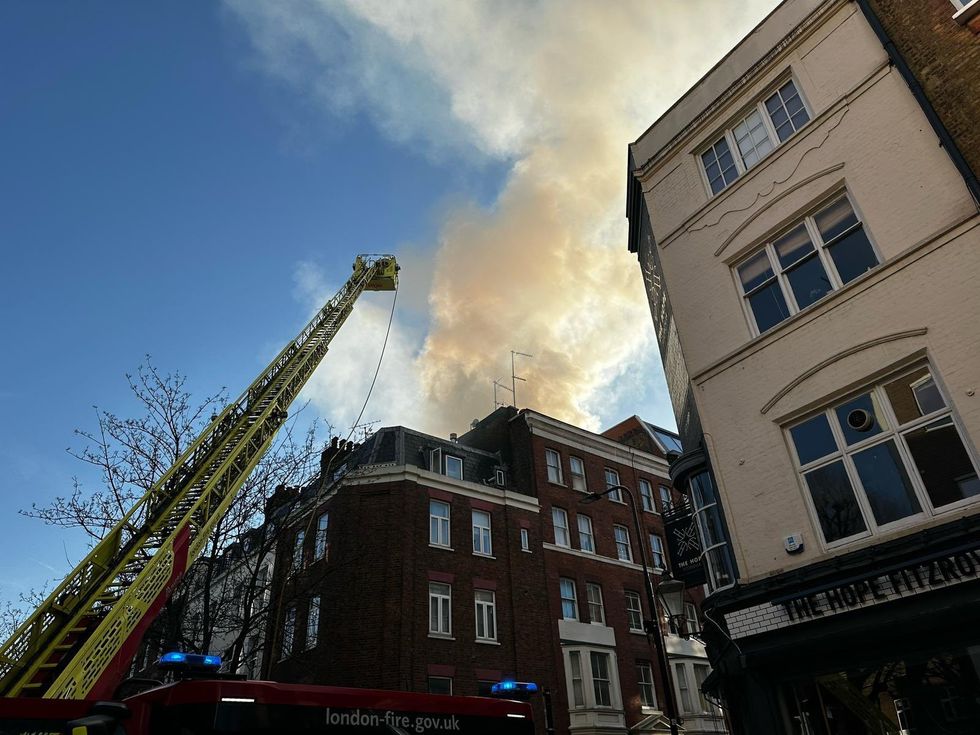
[374,628]
[945,57]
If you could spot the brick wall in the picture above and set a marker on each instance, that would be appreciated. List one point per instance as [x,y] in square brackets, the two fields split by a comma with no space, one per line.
[945,57]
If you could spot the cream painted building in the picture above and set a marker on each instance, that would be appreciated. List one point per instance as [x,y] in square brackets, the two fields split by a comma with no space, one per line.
[811,250]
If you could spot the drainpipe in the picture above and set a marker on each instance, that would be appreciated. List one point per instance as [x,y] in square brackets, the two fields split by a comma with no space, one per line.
[945,139]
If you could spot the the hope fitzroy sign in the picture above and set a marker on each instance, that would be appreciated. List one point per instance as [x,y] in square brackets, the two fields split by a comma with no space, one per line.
[901,582]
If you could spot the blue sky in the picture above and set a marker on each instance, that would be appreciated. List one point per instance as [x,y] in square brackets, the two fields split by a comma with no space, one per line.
[189,180]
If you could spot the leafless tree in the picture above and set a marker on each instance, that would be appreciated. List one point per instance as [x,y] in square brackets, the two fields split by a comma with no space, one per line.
[130,454]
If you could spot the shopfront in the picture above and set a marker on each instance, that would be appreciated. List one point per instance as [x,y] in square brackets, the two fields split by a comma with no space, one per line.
[884,640]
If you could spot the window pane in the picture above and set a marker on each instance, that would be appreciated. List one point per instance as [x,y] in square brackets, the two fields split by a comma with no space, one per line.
[859,419]
[809,281]
[793,246]
[942,462]
[833,498]
[914,395]
[719,166]
[835,219]
[768,307]
[886,483]
[755,271]
[752,139]
[813,439]
[720,567]
[853,255]
[600,678]
[578,695]
[710,524]
[782,106]
[454,467]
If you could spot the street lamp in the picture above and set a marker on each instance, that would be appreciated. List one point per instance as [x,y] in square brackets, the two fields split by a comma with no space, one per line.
[674,594]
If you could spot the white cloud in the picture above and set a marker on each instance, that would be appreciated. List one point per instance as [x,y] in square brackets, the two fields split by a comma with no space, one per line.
[559,87]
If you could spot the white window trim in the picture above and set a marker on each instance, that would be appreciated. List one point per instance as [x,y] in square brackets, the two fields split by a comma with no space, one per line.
[697,510]
[548,455]
[648,667]
[320,545]
[653,498]
[439,610]
[590,534]
[577,478]
[588,683]
[895,433]
[966,10]
[616,497]
[525,540]
[653,553]
[590,588]
[729,136]
[482,607]
[489,533]
[639,611]
[823,253]
[573,598]
[568,534]
[629,543]
[439,520]
[446,459]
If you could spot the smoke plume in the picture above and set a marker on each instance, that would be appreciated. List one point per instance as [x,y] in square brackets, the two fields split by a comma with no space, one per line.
[557,88]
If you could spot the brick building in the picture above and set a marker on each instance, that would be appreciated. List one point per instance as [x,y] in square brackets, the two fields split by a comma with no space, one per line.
[807,226]
[424,564]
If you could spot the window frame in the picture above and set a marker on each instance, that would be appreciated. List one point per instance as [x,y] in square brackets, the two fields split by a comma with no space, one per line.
[728,134]
[619,543]
[702,511]
[486,612]
[482,534]
[298,562]
[525,536]
[593,598]
[821,250]
[313,622]
[578,480]
[691,616]
[655,552]
[443,608]
[646,495]
[644,669]
[616,495]
[428,685]
[609,679]
[585,533]
[288,633]
[555,513]
[666,498]
[573,600]
[446,461]
[436,522]
[320,545]
[895,433]
[553,471]
[638,610]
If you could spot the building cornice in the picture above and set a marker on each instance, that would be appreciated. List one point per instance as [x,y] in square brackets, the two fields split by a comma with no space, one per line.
[585,441]
[367,475]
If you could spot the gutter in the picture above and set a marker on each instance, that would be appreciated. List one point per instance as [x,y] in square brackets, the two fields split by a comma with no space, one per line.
[945,139]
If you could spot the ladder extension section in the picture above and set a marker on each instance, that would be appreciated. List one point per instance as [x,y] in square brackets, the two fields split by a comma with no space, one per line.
[78,642]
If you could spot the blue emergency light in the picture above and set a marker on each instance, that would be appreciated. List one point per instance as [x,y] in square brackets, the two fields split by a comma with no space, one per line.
[180,660]
[510,689]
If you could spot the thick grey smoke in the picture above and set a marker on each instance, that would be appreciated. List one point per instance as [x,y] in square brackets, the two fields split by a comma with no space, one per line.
[558,87]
